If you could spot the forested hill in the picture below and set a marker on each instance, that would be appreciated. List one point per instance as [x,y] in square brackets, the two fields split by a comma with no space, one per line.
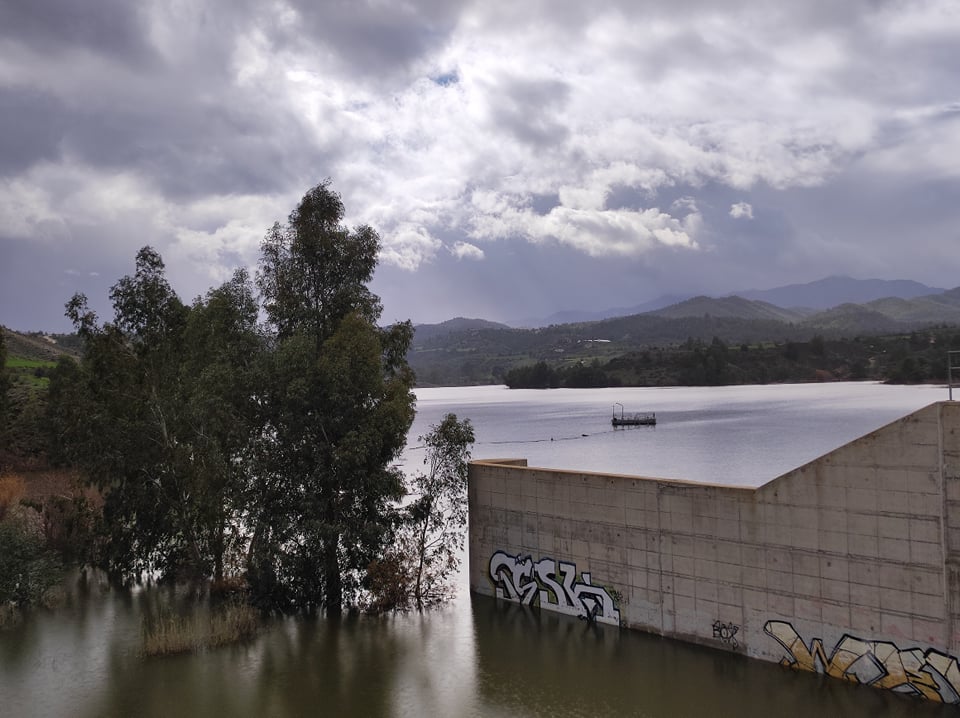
[483,354]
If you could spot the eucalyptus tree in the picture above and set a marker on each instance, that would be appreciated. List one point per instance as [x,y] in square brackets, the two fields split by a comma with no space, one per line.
[217,397]
[158,415]
[337,404]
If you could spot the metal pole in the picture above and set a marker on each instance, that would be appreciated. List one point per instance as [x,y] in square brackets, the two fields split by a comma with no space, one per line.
[950,355]
[950,367]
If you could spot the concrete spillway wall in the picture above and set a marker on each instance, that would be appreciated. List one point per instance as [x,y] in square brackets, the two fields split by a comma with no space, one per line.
[849,565]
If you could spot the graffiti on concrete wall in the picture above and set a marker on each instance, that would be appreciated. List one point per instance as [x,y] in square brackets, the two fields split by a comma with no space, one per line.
[552,585]
[726,633]
[928,674]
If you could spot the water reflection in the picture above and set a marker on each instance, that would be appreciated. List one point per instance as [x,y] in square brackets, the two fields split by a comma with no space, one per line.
[476,657]
[540,664]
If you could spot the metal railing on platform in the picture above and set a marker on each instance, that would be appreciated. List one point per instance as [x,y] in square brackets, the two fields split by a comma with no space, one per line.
[953,365]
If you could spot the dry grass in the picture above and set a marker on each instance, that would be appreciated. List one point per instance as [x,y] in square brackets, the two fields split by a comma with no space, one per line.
[12,489]
[170,634]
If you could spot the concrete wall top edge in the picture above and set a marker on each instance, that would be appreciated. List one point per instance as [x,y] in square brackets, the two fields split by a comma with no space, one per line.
[501,462]
[522,464]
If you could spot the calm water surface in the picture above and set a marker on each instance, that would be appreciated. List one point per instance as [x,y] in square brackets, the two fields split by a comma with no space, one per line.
[743,435]
[476,657]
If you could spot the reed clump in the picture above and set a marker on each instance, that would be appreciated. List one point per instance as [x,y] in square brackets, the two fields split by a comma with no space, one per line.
[170,634]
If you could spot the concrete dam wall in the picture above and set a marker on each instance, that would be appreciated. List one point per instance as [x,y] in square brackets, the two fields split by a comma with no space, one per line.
[848,565]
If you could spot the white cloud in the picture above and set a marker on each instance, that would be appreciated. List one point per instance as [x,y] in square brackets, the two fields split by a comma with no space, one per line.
[741,210]
[465,250]
[410,247]
[595,232]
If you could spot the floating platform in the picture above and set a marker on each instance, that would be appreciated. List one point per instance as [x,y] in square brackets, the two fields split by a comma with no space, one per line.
[644,418]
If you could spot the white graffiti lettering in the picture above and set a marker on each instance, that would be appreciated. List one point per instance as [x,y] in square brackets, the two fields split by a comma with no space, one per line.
[553,586]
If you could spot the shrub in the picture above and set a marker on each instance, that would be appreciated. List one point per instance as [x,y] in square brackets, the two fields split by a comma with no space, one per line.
[169,633]
[28,570]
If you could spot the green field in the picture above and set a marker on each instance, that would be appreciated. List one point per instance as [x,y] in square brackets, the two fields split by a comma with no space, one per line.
[25,372]
[15,362]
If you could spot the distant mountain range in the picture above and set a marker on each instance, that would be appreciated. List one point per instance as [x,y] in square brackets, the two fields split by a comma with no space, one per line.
[803,298]
[834,291]
[835,304]
[463,351]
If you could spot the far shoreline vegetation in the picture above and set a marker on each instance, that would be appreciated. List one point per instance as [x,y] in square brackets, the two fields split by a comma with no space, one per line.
[918,357]
[255,462]
[193,444]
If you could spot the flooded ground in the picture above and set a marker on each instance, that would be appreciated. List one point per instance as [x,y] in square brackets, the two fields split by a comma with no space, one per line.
[475,657]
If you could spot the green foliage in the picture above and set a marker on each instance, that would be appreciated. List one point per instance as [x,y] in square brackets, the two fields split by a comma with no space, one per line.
[426,552]
[917,357]
[28,570]
[158,415]
[536,376]
[438,516]
[335,408]
[221,447]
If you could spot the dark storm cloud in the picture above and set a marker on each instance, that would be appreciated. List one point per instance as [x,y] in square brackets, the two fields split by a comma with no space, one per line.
[53,27]
[373,39]
[191,147]
[32,125]
[180,119]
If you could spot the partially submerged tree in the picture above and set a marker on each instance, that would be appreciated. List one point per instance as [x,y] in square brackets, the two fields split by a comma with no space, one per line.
[219,444]
[438,517]
[417,568]
[158,415]
[336,403]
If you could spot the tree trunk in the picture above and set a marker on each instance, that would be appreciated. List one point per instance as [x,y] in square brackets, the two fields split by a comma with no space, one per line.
[421,555]
[333,586]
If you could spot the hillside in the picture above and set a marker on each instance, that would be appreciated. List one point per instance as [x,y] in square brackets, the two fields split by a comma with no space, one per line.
[728,307]
[852,320]
[40,347]
[427,332]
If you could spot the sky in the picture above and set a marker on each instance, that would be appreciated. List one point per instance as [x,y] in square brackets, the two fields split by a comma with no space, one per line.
[516,158]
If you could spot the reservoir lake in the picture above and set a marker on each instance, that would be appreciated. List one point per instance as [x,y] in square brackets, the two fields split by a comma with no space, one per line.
[474,656]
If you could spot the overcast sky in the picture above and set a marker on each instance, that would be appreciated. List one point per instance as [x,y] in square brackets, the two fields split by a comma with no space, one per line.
[517,158]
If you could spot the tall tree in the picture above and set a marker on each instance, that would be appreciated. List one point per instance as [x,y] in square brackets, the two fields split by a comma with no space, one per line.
[337,404]
[216,390]
[158,414]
